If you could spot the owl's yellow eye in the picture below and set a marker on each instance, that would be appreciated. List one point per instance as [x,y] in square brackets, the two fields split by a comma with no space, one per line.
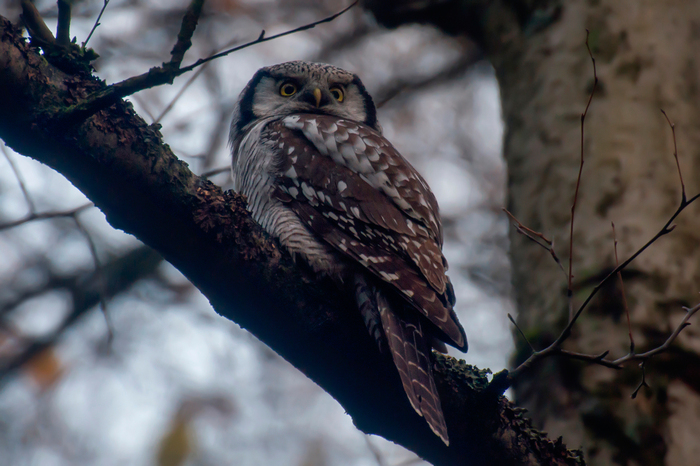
[337,93]
[288,89]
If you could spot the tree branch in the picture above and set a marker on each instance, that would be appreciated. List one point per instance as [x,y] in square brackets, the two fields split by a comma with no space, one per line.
[86,290]
[63,29]
[166,74]
[122,165]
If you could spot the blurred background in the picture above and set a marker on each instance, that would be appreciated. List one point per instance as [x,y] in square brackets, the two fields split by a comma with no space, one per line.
[108,355]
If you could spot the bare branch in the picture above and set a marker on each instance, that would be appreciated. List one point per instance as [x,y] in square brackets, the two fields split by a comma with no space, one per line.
[261,38]
[97,22]
[536,237]
[99,276]
[63,29]
[46,215]
[184,37]
[675,154]
[86,292]
[510,317]
[622,290]
[643,383]
[35,24]
[399,86]
[27,198]
[376,452]
[555,348]
[569,291]
[180,93]
[215,171]
[666,229]
[156,76]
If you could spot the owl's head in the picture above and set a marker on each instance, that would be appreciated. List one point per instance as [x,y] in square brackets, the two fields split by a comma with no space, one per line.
[303,87]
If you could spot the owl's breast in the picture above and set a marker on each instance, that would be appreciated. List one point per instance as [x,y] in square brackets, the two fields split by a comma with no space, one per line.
[254,175]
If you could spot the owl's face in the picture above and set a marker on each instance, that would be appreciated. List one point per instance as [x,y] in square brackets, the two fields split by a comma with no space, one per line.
[303,87]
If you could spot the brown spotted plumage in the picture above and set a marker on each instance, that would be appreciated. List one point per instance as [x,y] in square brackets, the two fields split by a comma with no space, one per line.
[320,177]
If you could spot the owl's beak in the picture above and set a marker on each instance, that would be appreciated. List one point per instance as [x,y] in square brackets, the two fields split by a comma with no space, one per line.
[316,97]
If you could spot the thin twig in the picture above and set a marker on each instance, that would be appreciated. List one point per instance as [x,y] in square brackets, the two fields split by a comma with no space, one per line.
[121,273]
[184,37]
[38,345]
[143,106]
[510,317]
[27,198]
[536,237]
[157,76]
[399,86]
[45,216]
[569,291]
[622,290]
[179,94]
[675,153]
[97,22]
[261,38]
[186,86]
[666,229]
[99,274]
[596,358]
[555,348]
[643,383]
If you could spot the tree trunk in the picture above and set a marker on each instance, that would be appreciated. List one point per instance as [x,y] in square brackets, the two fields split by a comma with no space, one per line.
[646,53]
[646,57]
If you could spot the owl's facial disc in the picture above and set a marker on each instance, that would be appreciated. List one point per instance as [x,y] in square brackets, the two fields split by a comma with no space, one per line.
[300,87]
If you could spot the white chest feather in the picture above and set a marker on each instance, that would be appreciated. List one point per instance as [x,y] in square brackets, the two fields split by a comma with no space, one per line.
[254,175]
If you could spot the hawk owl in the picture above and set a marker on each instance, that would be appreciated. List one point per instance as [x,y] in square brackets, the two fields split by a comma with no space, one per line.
[319,176]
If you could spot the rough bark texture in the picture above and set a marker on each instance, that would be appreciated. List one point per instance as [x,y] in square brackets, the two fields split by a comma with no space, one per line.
[121,164]
[647,59]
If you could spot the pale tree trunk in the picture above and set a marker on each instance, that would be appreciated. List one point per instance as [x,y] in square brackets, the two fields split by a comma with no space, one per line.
[647,58]
[647,55]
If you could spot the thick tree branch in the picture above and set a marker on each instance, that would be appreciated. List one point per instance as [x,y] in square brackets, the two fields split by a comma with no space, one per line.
[122,165]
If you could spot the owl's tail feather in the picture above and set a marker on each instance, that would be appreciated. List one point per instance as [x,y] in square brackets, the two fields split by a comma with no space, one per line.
[409,348]
[365,295]
[411,355]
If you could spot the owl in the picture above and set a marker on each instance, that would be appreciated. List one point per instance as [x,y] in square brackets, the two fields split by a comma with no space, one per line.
[309,155]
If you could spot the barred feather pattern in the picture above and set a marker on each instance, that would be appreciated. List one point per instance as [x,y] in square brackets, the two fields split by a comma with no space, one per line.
[409,350]
[342,182]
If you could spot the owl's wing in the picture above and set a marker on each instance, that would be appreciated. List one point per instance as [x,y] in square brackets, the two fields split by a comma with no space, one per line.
[354,190]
